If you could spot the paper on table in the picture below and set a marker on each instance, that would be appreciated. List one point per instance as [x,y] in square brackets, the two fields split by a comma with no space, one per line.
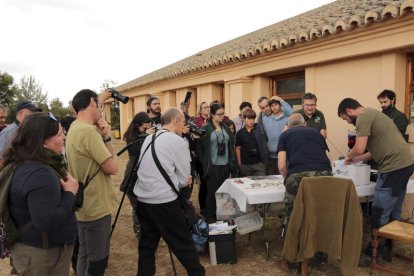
[220,228]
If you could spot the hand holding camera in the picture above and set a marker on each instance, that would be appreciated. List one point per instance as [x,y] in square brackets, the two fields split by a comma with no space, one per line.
[186,129]
[151,130]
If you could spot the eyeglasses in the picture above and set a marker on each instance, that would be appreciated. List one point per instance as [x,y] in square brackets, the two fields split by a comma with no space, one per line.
[220,114]
[309,105]
[51,116]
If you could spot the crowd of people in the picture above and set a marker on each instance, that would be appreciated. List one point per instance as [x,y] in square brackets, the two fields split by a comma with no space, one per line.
[61,164]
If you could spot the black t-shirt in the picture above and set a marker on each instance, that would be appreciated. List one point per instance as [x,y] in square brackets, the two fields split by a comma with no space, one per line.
[305,150]
[156,121]
[249,150]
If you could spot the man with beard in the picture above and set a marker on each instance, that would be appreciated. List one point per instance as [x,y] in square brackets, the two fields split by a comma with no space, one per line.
[378,134]
[154,111]
[387,101]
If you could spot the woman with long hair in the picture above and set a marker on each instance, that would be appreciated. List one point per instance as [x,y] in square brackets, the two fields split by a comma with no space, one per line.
[216,152]
[203,114]
[41,198]
[137,131]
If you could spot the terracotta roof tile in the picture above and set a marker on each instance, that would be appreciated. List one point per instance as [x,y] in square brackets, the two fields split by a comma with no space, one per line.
[341,15]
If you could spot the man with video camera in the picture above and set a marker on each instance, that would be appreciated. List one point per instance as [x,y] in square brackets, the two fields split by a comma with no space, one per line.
[90,161]
[159,208]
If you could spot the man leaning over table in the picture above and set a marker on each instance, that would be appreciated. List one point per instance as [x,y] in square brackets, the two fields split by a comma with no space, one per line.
[302,152]
[378,134]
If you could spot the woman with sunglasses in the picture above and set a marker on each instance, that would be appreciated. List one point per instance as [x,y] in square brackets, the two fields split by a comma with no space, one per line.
[216,152]
[41,197]
[138,130]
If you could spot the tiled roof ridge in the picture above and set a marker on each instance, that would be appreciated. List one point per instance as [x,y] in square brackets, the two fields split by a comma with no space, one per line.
[310,25]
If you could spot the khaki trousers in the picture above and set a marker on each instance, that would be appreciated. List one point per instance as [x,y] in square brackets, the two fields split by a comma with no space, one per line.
[33,261]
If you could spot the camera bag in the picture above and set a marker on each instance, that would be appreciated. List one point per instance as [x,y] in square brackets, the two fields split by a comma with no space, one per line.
[78,203]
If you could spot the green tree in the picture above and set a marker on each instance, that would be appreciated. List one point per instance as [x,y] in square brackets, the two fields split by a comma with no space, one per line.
[107,84]
[7,89]
[30,89]
[57,108]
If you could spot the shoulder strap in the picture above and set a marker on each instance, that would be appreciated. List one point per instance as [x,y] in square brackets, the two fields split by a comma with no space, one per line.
[159,166]
[142,157]
[88,180]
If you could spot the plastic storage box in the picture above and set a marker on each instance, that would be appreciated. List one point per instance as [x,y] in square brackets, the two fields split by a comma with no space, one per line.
[222,248]
[248,223]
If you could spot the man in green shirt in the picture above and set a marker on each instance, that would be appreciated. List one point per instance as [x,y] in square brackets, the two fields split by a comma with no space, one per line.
[387,99]
[378,138]
[313,117]
[90,157]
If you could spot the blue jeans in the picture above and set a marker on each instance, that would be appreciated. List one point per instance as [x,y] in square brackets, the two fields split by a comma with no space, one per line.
[391,206]
[390,190]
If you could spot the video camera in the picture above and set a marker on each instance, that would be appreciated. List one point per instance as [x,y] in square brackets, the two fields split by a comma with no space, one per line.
[195,129]
[115,94]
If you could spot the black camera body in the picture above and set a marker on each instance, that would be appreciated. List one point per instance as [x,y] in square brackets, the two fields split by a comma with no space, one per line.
[221,148]
[196,130]
[115,94]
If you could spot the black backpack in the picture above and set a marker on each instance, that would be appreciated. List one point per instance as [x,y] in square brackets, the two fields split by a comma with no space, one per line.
[9,232]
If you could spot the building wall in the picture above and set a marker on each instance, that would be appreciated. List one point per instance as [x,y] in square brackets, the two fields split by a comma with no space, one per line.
[369,75]
[358,63]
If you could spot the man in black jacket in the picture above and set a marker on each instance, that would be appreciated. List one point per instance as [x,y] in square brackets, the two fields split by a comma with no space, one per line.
[387,99]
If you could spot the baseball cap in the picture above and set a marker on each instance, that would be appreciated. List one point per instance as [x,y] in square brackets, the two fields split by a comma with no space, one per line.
[27,105]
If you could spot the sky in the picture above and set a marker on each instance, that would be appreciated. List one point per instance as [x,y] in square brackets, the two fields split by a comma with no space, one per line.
[69,45]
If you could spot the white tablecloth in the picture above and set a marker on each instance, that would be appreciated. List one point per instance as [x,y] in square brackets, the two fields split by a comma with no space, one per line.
[244,194]
[271,190]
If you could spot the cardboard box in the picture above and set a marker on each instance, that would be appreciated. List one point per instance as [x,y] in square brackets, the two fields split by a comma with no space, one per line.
[359,173]
[222,248]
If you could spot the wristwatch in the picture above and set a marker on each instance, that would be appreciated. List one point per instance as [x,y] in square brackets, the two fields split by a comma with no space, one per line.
[107,139]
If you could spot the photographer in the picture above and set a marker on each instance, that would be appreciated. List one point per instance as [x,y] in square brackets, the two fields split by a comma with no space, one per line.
[216,152]
[137,131]
[159,209]
[90,157]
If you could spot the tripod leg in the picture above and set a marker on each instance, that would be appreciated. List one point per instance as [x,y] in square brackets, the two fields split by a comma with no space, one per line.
[172,262]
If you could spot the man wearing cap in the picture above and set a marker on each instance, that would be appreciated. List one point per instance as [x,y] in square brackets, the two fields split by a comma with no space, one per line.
[154,111]
[23,109]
